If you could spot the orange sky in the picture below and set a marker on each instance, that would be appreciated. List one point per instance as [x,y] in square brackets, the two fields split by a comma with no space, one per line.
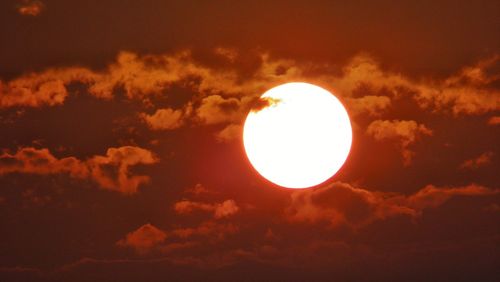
[121,153]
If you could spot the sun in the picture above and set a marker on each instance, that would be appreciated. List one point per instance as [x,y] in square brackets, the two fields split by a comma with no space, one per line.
[301,139]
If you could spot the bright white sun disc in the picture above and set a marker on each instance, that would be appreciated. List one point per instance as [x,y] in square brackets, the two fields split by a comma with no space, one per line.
[301,139]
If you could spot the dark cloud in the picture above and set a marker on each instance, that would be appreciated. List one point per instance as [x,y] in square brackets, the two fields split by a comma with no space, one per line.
[260,103]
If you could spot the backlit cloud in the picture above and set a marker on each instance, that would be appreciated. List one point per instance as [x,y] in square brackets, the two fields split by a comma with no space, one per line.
[479,161]
[469,91]
[121,159]
[211,229]
[216,109]
[404,132]
[186,207]
[47,88]
[225,209]
[164,119]
[198,189]
[30,7]
[110,171]
[372,105]
[220,210]
[122,155]
[342,203]
[494,120]
[229,133]
[365,87]
[143,239]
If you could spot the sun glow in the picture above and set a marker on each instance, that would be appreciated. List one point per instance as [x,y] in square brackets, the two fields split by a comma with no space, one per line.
[301,139]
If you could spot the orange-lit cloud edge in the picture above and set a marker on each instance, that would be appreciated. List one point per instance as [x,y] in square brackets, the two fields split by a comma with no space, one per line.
[224,98]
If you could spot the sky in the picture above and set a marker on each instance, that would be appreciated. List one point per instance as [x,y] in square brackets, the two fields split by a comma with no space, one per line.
[121,152]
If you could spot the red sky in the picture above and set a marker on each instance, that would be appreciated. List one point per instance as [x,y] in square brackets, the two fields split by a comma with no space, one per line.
[121,153]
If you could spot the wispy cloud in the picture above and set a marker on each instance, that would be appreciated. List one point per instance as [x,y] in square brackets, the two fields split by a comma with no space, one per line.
[220,210]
